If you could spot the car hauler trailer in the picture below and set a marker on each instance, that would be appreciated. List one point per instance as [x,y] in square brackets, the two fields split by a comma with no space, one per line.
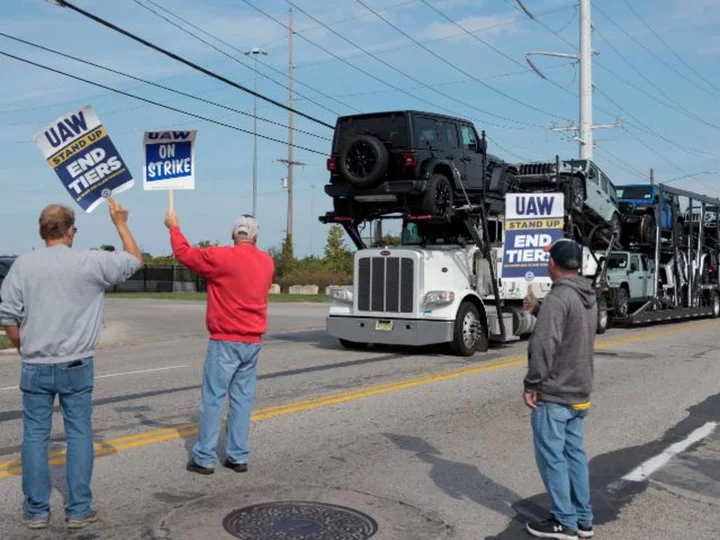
[686,281]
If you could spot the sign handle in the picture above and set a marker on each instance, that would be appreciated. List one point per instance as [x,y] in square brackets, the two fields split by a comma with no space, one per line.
[171,201]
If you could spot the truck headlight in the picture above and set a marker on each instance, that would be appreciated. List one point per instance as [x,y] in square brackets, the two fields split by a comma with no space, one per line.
[341,295]
[439,298]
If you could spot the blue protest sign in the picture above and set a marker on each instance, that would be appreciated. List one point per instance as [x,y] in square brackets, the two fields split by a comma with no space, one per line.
[79,150]
[169,160]
[532,222]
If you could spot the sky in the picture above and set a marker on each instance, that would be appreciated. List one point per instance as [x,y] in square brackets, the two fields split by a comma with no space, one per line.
[655,71]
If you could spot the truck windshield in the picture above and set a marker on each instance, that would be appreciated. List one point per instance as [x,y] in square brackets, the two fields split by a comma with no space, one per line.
[635,192]
[390,129]
[430,234]
[617,261]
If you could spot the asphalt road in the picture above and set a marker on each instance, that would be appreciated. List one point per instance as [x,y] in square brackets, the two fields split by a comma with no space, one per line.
[430,446]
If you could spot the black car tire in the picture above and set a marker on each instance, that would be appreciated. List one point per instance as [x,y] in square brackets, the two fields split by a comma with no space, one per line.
[363,161]
[603,318]
[622,303]
[647,229]
[679,235]
[438,197]
[578,194]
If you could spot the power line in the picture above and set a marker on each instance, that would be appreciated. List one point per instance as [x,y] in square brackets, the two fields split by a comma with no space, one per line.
[667,45]
[381,80]
[676,105]
[231,46]
[427,41]
[653,54]
[454,66]
[151,102]
[193,65]
[157,85]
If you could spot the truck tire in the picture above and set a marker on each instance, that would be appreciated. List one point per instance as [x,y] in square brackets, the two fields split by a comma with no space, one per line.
[352,345]
[363,161]
[647,231]
[578,194]
[438,197]
[622,303]
[603,319]
[715,303]
[470,334]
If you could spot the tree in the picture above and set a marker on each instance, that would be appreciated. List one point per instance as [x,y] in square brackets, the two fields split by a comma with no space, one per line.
[285,260]
[207,243]
[338,257]
[390,240]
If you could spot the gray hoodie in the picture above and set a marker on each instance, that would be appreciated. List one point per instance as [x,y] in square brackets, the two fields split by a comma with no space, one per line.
[560,352]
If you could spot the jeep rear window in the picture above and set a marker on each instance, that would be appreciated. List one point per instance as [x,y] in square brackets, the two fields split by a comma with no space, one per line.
[391,130]
[635,192]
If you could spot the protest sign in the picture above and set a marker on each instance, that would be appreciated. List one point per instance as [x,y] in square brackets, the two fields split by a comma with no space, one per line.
[169,160]
[532,222]
[79,150]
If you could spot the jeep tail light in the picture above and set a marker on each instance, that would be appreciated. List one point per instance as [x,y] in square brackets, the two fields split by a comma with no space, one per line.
[409,159]
[331,164]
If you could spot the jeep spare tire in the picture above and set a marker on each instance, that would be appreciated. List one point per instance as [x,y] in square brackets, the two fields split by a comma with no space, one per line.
[363,161]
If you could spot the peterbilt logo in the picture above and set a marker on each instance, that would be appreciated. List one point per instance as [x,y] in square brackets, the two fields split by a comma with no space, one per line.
[385,253]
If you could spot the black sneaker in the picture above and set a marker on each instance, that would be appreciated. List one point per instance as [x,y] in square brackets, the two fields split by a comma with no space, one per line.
[237,467]
[194,467]
[551,528]
[585,531]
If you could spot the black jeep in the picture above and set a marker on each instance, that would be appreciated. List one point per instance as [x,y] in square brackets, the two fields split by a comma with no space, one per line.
[411,162]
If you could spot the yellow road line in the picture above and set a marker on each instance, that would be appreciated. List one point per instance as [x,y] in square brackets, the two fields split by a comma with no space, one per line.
[127,442]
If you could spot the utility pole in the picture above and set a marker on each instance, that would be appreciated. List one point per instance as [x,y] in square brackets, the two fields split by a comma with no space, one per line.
[290,161]
[255,52]
[652,177]
[584,59]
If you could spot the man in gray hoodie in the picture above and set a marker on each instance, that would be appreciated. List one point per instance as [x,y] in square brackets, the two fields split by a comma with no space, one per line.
[557,389]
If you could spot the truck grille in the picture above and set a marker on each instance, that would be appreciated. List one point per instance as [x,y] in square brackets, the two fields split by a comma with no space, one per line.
[386,284]
[537,169]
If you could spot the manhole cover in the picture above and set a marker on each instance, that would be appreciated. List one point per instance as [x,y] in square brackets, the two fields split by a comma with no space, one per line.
[299,521]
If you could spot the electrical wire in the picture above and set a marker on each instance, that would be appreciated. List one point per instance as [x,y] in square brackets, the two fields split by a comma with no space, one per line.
[653,54]
[231,46]
[454,66]
[676,105]
[157,104]
[197,67]
[667,45]
[157,85]
[383,81]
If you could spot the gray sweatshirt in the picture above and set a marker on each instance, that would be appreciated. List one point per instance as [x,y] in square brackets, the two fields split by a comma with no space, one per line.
[56,296]
[560,352]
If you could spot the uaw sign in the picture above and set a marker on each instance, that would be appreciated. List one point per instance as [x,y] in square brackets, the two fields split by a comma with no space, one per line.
[169,160]
[532,222]
[79,150]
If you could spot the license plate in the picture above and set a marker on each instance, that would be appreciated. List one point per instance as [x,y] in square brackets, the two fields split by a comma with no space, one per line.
[384,326]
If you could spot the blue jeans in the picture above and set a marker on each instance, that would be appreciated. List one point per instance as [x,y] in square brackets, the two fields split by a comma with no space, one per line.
[74,385]
[558,433]
[230,369]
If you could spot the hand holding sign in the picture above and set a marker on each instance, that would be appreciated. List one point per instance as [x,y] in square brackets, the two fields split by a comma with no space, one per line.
[171,220]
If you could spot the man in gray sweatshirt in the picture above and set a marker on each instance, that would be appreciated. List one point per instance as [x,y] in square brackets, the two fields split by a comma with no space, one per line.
[52,302]
[557,389]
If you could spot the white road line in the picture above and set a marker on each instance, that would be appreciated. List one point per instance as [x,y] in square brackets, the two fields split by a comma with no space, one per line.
[117,374]
[644,471]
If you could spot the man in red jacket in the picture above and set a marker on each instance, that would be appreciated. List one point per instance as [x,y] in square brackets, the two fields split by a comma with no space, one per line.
[239,279]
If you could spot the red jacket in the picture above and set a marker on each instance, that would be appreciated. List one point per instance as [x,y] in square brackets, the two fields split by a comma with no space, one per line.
[239,280]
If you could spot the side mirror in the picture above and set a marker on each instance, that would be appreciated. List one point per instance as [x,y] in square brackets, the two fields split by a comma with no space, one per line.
[482,146]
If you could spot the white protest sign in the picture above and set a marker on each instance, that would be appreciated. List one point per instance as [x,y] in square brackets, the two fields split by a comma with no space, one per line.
[78,148]
[169,160]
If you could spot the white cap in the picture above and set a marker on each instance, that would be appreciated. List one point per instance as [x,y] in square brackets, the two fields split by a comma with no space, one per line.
[245,226]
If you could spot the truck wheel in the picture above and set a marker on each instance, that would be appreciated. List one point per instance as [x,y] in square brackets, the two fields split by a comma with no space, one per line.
[679,234]
[363,161]
[470,334]
[622,303]
[353,345]
[578,194]
[715,303]
[603,319]
[438,197]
